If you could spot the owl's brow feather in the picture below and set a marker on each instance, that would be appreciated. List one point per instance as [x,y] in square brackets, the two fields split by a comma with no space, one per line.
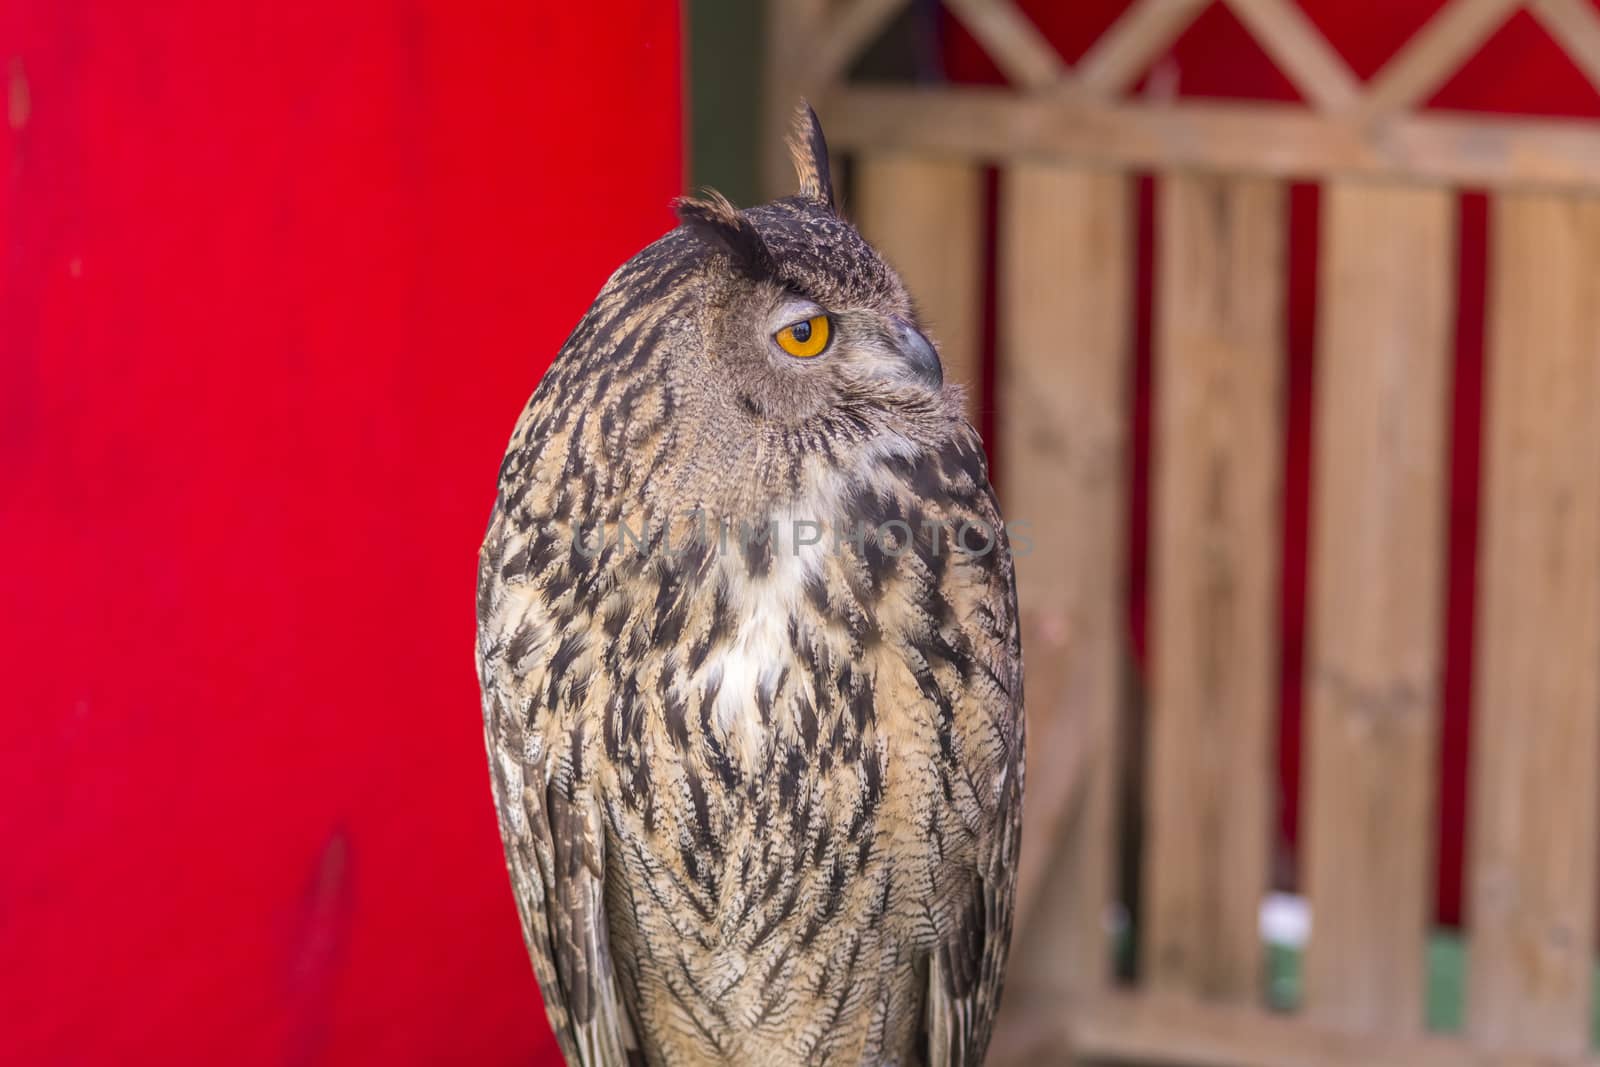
[717,222]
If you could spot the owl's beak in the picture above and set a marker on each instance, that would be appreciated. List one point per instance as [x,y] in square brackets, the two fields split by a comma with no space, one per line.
[918,354]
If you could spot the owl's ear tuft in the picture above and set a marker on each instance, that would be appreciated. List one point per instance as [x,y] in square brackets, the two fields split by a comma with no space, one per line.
[718,223]
[809,149]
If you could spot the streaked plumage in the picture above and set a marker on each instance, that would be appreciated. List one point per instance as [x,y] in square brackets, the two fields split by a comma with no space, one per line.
[760,798]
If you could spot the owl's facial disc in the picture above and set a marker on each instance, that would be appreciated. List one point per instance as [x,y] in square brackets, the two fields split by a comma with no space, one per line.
[877,346]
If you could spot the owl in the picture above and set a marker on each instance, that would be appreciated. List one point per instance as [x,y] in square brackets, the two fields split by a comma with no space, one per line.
[749,655]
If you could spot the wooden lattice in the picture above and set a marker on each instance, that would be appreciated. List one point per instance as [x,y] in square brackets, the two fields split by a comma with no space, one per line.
[1067,143]
[1053,112]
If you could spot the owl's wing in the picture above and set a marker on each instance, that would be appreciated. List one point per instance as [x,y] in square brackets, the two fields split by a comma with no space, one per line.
[965,972]
[966,969]
[554,837]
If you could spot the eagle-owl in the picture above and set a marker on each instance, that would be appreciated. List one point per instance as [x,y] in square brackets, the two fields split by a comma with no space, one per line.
[752,680]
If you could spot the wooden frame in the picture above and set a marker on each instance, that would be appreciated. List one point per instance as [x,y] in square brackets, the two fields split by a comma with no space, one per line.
[1076,115]
[1282,141]
[1068,144]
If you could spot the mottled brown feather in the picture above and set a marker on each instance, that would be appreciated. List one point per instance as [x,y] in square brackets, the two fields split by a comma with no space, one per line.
[760,804]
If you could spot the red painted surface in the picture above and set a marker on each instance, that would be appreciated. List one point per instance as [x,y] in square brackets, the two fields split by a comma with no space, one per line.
[1520,70]
[276,280]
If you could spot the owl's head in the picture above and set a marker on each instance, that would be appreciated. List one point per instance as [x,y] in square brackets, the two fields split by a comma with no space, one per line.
[803,317]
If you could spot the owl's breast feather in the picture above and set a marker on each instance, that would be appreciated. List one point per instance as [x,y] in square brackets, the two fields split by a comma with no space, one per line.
[751,665]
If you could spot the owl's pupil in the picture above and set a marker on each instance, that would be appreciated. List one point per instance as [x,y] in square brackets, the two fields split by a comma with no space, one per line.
[801,331]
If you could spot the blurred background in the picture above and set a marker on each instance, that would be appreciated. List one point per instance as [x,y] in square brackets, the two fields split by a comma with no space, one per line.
[1281,320]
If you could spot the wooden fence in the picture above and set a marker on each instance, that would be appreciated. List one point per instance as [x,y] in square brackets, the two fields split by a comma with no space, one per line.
[1068,146]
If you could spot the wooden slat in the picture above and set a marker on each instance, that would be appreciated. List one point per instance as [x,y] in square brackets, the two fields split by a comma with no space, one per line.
[1015,44]
[1300,51]
[1218,483]
[925,216]
[1536,737]
[1154,1031]
[1436,51]
[1373,654]
[1576,27]
[1065,334]
[1276,140]
[1146,29]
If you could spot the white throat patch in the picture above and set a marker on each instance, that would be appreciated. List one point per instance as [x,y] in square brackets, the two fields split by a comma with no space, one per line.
[755,658]
[802,536]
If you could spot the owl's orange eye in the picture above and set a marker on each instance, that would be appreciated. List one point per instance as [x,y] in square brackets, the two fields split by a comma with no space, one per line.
[805,339]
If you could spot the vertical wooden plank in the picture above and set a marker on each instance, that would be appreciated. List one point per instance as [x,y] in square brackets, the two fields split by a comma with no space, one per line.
[1373,651]
[1065,364]
[925,215]
[1536,736]
[1218,474]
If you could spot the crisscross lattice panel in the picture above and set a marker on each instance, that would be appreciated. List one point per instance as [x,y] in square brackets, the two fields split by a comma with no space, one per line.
[1068,142]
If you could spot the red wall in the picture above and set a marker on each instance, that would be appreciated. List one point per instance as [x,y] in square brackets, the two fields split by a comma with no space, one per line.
[276,280]
[1518,70]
